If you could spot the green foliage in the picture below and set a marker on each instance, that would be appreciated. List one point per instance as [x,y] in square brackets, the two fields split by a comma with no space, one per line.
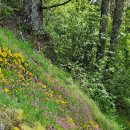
[91,83]
[74,29]
[7,8]
[74,32]
[57,80]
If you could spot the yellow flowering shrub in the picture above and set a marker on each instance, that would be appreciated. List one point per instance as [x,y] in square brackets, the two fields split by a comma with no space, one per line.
[15,72]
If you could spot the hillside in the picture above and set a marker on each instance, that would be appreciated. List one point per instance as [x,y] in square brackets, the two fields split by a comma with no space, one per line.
[37,95]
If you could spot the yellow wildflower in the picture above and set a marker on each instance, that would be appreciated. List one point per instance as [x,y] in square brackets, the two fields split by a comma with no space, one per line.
[1,59]
[71,120]
[6,90]
[23,69]
[91,123]
[44,86]
[16,63]
[16,128]
[0,52]
[0,70]
[19,56]
[4,54]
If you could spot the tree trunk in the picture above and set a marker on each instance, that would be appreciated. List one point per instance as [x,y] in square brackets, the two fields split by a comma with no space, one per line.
[33,14]
[103,29]
[117,20]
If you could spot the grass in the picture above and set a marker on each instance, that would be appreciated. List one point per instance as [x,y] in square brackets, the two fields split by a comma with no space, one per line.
[44,92]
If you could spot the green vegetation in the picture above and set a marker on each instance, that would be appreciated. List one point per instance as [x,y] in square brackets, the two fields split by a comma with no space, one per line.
[66,65]
[42,90]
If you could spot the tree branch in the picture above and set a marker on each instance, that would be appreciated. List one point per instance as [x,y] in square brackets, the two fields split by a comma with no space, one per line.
[56,5]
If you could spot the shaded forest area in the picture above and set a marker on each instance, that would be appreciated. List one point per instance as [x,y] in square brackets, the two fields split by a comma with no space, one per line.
[90,39]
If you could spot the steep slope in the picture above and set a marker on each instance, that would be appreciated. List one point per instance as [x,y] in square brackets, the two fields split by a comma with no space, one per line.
[34,94]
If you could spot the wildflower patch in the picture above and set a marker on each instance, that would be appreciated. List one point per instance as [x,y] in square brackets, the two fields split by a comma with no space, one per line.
[18,83]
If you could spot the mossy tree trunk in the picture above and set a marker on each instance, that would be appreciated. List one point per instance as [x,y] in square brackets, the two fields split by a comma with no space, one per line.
[117,20]
[103,29]
[33,14]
